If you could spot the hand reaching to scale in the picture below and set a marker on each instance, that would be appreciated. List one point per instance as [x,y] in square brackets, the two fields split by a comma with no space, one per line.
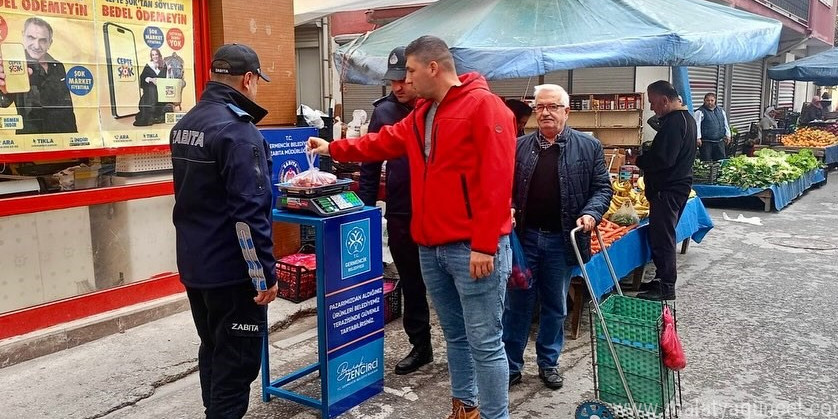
[313,177]
[317,145]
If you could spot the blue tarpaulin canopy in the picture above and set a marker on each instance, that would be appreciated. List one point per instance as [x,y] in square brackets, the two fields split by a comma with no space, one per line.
[521,38]
[821,68]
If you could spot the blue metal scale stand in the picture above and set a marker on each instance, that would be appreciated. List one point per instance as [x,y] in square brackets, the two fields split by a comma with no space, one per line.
[350,313]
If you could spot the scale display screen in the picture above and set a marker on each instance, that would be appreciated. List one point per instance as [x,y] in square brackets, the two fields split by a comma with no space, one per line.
[328,205]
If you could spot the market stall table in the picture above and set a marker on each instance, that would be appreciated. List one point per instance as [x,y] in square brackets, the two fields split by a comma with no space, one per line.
[780,194]
[632,251]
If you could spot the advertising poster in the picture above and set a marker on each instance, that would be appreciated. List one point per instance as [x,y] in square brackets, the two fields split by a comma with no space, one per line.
[145,64]
[93,73]
[48,100]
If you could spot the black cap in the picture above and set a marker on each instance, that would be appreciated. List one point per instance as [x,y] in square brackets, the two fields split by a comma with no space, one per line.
[237,59]
[395,65]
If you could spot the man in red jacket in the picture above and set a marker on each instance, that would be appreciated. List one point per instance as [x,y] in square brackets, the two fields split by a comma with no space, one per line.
[460,145]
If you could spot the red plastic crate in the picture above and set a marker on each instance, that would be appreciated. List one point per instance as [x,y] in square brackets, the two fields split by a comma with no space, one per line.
[296,277]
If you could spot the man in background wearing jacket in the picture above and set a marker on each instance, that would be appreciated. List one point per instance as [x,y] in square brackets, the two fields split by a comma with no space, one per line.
[460,144]
[222,178]
[668,174]
[416,319]
[561,182]
[713,129]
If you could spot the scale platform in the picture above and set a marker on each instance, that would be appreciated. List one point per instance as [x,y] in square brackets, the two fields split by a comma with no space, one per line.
[323,201]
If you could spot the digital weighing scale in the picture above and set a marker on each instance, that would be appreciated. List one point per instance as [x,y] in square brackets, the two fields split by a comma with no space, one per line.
[323,201]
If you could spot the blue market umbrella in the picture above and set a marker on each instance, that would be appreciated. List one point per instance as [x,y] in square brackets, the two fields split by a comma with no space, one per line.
[821,68]
[521,38]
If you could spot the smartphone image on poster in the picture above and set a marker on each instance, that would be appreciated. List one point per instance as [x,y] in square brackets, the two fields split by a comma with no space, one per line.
[121,55]
[14,65]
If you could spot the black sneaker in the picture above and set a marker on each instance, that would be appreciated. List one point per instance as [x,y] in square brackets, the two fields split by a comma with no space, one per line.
[514,378]
[551,377]
[657,295]
[653,285]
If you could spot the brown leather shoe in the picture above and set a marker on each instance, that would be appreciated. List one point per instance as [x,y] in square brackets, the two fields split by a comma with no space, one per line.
[461,411]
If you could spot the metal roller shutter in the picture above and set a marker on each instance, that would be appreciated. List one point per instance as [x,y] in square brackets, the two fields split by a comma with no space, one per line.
[782,93]
[746,94]
[722,89]
[705,80]
[513,88]
[602,80]
[307,36]
[359,96]
[558,77]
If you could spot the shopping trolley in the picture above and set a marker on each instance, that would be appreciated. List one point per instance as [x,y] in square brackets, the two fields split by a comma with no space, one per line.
[630,379]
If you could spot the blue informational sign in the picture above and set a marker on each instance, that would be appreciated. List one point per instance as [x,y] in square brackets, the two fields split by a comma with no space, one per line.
[354,240]
[354,314]
[355,376]
[288,152]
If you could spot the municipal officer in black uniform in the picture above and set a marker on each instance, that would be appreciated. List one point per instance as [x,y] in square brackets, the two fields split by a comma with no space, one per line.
[222,218]
[389,110]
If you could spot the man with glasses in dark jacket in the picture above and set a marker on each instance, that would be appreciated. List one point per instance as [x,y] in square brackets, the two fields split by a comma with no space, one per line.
[561,182]
[389,110]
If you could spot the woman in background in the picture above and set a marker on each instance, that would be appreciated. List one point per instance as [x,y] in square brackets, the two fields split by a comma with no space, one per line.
[151,111]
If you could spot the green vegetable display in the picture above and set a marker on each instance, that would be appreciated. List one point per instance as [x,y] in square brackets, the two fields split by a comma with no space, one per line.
[804,159]
[768,167]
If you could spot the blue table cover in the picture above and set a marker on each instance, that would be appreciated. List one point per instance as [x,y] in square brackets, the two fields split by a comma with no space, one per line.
[632,250]
[830,154]
[782,193]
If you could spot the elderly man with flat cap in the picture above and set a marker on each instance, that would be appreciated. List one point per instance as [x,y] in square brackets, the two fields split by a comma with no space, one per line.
[389,110]
[222,218]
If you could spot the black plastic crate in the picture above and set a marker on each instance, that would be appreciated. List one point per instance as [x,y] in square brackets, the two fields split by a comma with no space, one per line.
[706,173]
[392,300]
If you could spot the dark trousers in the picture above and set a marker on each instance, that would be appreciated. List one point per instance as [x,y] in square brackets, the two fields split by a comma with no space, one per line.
[712,150]
[231,327]
[417,315]
[665,209]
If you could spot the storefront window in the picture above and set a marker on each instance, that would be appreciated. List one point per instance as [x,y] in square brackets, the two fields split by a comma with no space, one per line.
[87,82]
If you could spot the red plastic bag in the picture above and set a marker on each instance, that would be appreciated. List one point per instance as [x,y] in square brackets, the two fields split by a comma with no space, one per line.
[673,353]
[521,276]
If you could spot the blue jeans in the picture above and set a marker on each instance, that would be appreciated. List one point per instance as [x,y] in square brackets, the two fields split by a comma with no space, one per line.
[551,279]
[470,315]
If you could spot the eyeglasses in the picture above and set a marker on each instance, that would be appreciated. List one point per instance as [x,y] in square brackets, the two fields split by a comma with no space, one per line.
[552,107]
